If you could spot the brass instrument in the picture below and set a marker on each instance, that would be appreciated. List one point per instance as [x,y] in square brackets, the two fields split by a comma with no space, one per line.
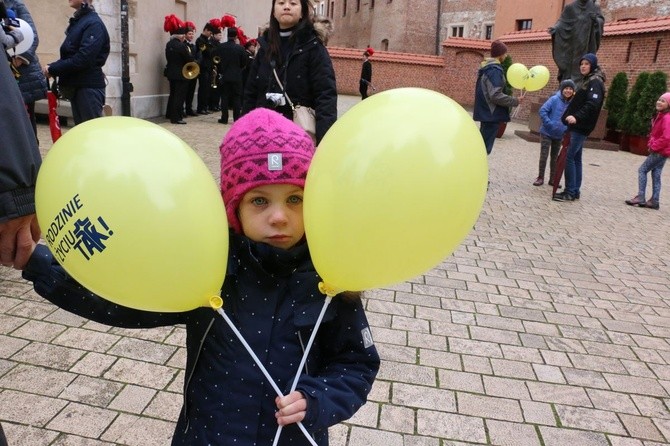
[215,71]
[190,70]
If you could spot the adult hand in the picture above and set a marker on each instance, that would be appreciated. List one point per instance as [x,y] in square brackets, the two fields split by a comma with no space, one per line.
[17,240]
[571,120]
[292,408]
[45,71]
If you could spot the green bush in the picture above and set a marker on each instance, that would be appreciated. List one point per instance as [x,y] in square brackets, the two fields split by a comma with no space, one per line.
[507,61]
[646,106]
[616,100]
[628,117]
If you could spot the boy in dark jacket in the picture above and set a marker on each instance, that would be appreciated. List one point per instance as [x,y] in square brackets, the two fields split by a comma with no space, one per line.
[581,117]
[270,295]
[491,104]
[82,56]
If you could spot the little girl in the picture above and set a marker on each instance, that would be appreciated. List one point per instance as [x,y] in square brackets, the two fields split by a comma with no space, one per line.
[270,294]
[659,151]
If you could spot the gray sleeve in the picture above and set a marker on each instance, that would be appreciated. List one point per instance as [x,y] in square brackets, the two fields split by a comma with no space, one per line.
[495,96]
[10,39]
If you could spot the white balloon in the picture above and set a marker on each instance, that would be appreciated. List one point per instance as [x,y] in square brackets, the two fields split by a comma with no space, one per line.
[28,37]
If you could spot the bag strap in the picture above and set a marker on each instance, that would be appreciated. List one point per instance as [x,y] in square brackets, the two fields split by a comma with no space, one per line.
[274,71]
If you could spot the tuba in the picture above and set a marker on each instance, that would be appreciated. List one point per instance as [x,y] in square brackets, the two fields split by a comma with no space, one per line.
[190,70]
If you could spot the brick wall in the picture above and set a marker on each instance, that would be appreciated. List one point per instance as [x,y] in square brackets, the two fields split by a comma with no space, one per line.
[455,72]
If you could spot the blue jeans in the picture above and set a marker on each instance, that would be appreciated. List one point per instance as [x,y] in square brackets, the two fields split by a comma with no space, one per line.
[653,163]
[488,131]
[573,164]
[87,104]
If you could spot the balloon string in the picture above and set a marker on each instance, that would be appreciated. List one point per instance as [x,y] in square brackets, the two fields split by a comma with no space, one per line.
[304,355]
[516,110]
[261,366]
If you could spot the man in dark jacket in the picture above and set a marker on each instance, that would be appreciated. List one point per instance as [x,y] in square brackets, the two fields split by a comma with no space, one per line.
[204,45]
[20,161]
[491,104]
[32,82]
[177,54]
[82,56]
[233,58]
[366,73]
[581,117]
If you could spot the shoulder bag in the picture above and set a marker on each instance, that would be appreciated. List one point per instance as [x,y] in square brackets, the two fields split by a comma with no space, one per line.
[305,117]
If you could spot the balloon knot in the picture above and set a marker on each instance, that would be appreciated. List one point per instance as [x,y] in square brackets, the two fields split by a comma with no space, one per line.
[328,290]
[215,302]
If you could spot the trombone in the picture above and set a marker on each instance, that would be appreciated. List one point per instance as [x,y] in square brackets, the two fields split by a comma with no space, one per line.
[215,71]
[190,70]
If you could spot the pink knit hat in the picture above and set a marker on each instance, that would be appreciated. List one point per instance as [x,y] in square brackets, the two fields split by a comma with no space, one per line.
[262,147]
[666,96]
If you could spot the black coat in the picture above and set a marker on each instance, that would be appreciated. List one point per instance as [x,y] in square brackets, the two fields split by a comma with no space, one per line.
[586,104]
[233,60]
[307,75]
[177,55]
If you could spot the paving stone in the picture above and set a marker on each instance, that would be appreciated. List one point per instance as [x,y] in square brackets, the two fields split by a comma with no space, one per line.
[451,426]
[640,427]
[423,397]
[590,419]
[488,407]
[512,434]
[83,420]
[562,437]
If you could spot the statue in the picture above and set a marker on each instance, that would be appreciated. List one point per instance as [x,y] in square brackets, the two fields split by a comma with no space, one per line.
[578,31]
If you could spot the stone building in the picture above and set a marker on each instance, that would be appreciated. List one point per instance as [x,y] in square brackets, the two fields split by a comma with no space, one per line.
[145,39]
[402,26]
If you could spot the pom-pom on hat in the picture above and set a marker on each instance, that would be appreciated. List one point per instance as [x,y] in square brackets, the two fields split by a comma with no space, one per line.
[190,26]
[369,51]
[228,21]
[215,24]
[172,24]
[262,147]
[498,48]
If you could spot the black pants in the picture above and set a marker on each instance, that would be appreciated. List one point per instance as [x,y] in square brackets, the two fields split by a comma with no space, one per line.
[190,92]
[204,86]
[3,439]
[363,89]
[178,90]
[231,97]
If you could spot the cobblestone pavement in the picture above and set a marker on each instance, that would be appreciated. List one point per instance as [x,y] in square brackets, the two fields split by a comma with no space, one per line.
[549,325]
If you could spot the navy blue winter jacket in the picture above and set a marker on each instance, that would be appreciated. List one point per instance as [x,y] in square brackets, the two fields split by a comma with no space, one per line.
[491,104]
[550,114]
[271,296]
[83,53]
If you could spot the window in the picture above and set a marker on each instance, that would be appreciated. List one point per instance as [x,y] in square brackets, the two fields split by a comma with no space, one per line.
[332,8]
[358,5]
[457,31]
[372,4]
[385,45]
[488,32]
[524,24]
[344,8]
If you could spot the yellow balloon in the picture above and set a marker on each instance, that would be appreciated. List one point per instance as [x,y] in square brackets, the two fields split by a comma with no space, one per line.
[134,215]
[395,185]
[517,74]
[538,77]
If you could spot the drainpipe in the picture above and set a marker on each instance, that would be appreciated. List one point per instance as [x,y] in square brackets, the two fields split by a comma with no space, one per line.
[437,31]
[127,87]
